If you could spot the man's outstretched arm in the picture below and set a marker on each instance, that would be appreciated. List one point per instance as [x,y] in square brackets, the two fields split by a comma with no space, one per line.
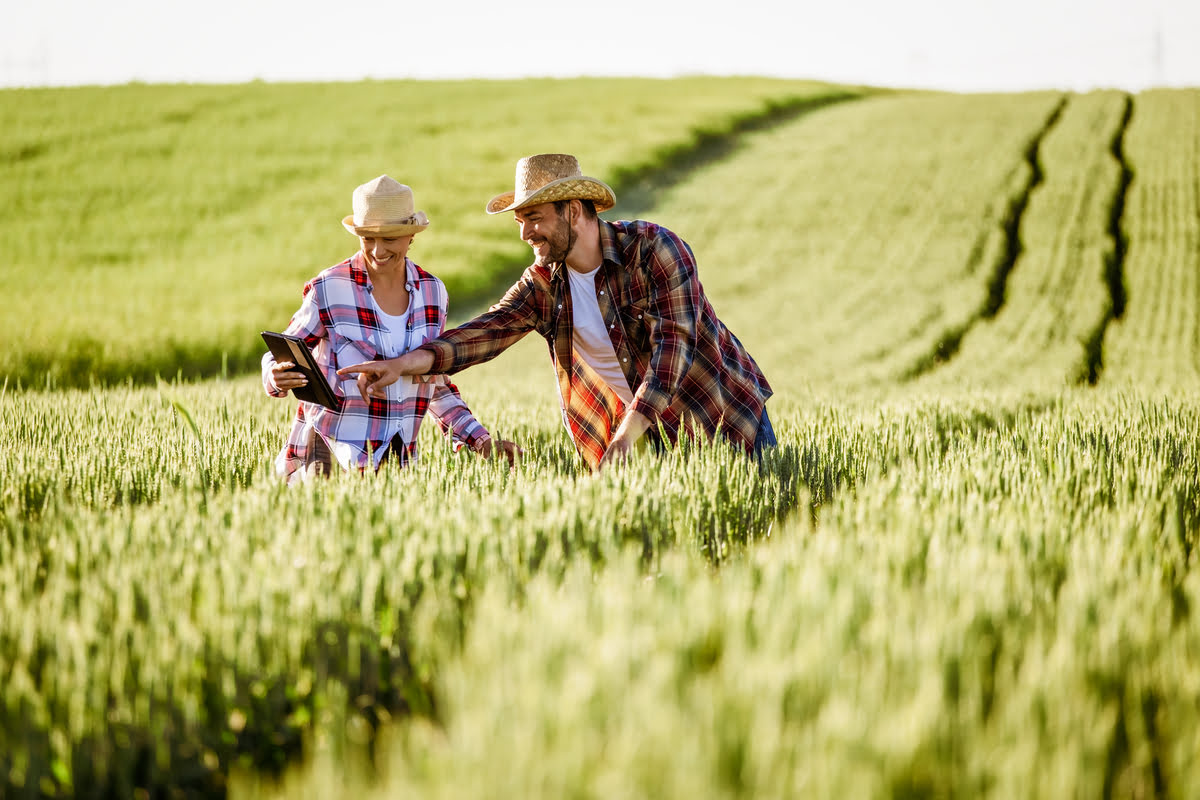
[375,376]
[474,342]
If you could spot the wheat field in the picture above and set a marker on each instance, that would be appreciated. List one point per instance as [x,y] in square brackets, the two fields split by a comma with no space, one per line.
[967,570]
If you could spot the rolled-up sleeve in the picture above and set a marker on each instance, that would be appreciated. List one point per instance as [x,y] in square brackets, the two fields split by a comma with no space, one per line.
[455,419]
[490,333]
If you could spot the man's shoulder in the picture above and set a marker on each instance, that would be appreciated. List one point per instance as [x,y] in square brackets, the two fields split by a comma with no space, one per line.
[637,227]
[631,233]
[634,240]
[537,274]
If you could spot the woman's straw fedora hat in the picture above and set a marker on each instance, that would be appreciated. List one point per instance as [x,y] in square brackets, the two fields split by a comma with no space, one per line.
[383,207]
[547,178]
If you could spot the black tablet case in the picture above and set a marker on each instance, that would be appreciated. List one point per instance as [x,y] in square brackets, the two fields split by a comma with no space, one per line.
[286,347]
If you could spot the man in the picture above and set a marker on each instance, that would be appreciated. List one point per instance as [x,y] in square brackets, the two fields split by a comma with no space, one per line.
[634,341]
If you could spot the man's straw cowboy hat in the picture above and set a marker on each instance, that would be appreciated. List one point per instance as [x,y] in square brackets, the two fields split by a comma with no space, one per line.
[550,177]
[383,207]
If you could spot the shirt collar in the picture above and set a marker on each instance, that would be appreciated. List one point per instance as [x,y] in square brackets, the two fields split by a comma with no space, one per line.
[609,251]
[608,242]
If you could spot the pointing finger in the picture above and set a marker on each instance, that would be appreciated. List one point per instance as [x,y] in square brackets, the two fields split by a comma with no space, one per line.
[357,369]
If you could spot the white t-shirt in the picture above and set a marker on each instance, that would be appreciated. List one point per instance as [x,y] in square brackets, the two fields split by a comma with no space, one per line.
[395,326]
[395,330]
[591,334]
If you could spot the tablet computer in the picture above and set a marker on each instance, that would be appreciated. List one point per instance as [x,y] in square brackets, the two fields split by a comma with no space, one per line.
[286,347]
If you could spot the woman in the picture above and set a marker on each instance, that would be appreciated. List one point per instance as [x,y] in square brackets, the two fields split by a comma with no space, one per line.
[375,304]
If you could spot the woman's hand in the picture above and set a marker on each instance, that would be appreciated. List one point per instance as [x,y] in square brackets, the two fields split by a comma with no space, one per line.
[285,378]
[509,450]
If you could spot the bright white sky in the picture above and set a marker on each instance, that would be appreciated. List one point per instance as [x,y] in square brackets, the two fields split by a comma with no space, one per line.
[964,45]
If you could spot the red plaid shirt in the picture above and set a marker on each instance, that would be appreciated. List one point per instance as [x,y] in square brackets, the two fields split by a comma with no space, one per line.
[338,321]
[686,370]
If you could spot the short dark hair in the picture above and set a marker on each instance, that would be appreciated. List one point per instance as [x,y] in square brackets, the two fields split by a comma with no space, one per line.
[589,207]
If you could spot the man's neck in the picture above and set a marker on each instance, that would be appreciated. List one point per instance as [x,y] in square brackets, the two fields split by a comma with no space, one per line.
[586,255]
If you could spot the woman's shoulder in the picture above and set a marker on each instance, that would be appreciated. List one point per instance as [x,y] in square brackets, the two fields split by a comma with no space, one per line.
[424,275]
[342,273]
[345,270]
[428,283]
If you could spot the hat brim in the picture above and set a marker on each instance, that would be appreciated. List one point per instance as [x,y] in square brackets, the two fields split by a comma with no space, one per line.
[382,230]
[579,187]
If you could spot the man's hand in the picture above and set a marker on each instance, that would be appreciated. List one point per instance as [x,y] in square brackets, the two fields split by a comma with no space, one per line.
[509,450]
[628,432]
[375,376]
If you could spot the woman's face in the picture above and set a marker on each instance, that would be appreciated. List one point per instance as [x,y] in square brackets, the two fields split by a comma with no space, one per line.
[386,253]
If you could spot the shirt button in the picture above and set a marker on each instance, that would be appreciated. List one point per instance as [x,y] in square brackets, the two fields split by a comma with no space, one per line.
[639,316]
[626,360]
[560,306]
[601,291]
[610,327]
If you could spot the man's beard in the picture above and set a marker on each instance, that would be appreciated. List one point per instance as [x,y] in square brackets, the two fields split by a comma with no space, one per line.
[559,246]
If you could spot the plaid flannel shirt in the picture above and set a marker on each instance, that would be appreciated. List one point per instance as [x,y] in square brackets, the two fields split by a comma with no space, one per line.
[337,320]
[686,370]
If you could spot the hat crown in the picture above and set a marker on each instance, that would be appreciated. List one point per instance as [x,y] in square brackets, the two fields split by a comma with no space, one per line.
[383,201]
[548,178]
[535,172]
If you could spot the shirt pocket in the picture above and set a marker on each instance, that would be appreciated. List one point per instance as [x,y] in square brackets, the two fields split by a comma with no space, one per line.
[635,319]
[351,344]
[347,349]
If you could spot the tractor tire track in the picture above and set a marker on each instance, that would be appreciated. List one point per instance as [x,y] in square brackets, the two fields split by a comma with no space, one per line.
[1114,269]
[947,347]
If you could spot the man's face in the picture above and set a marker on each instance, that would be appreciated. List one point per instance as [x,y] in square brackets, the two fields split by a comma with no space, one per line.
[546,232]
[386,253]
